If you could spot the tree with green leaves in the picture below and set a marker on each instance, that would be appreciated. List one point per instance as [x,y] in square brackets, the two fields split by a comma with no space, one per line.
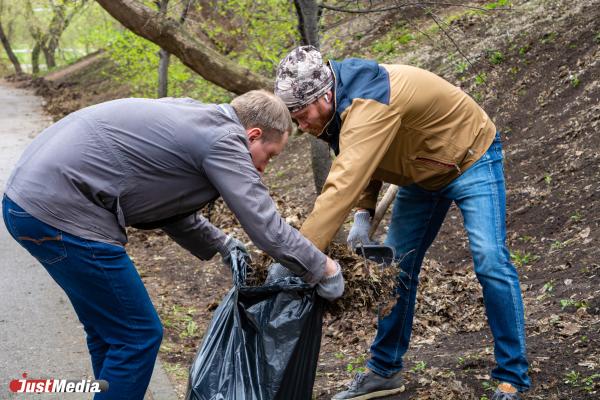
[47,34]
[6,42]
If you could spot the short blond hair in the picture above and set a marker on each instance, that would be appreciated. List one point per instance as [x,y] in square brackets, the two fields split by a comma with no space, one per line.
[262,109]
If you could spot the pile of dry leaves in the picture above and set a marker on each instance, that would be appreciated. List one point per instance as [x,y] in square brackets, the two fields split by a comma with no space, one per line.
[368,285]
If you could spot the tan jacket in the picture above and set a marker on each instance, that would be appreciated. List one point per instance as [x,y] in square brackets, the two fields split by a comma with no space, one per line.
[428,132]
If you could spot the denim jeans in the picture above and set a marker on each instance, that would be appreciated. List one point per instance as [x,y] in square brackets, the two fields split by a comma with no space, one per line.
[123,329]
[416,219]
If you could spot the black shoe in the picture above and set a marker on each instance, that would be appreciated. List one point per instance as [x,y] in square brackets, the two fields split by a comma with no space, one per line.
[369,385]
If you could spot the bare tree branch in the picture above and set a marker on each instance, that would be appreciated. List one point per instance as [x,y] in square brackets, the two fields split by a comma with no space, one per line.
[437,22]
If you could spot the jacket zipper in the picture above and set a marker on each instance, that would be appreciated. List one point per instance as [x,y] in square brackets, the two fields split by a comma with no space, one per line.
[440,164]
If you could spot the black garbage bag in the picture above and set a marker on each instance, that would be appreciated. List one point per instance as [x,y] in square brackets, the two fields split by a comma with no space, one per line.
[262,343]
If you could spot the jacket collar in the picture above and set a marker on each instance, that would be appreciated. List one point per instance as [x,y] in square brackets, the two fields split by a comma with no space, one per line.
[331,132]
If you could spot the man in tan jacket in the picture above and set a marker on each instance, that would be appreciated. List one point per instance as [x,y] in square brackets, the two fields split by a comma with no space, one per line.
[407,126]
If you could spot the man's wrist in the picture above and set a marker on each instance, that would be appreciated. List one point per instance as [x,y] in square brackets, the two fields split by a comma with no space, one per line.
[331,268]
[365,210]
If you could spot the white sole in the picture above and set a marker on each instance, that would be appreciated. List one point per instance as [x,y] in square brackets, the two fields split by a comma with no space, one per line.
[381,393]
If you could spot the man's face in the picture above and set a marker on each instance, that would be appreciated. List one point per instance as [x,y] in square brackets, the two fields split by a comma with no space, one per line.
[263,150]
[314,117]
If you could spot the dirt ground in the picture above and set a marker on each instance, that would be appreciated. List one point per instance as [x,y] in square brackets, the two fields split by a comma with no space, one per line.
[536,72]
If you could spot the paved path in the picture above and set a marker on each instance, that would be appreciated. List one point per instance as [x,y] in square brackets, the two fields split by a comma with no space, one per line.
[39,331]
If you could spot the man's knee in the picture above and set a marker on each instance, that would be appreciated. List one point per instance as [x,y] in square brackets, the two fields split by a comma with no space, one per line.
[150,336]
[154,335]
[492,261]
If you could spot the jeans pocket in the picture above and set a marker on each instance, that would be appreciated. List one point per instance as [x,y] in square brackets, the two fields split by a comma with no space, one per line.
[41,240]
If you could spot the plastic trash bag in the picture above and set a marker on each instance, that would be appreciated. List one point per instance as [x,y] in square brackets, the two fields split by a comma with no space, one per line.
[262,343]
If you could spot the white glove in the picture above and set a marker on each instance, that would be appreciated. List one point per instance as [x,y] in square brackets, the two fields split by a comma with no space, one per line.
[359,233]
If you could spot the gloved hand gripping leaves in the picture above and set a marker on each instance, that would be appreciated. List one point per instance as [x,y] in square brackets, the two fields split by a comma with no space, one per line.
[329,288]
[359,233]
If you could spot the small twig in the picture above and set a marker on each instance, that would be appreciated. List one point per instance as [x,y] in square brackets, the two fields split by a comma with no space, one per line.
[434,18]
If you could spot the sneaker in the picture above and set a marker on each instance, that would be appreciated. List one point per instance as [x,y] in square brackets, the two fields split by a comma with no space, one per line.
[506,391]
[369,385]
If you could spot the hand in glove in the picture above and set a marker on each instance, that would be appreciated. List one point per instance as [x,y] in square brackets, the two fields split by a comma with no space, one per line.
[230,246]
[359,233]
[330,287]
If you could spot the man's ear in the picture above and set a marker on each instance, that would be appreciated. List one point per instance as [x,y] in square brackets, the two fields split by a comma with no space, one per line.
[254,134]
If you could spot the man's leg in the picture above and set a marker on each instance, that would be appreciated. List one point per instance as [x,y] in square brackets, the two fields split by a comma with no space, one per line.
[480,195]
[416,219]
[97,348]
[124,331]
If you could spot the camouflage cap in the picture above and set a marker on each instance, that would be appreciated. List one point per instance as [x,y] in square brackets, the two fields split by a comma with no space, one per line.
[302,77]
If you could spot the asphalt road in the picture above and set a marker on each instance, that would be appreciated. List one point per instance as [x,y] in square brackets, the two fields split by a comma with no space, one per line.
[39,331]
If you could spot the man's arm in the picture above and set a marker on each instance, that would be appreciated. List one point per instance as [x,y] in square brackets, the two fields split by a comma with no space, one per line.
[368,129]
[197,235]
[368,197]
[229,167]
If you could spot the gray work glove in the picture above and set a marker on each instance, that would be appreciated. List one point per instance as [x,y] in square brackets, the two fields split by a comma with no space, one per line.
[359,233]
[329,288]
[229,246]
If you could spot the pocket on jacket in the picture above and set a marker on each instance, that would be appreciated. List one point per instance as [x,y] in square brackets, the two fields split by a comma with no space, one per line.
[41,240]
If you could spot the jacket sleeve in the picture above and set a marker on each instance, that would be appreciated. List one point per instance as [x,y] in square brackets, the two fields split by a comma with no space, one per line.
[368,198]
[368,129]
[228,165]
[197,235]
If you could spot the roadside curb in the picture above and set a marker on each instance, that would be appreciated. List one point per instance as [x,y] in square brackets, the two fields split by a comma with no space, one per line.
[160,387]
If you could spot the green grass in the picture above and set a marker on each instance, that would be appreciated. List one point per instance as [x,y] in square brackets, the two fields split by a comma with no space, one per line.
[498,4]
[564,303]
[496,57]
[520,259]
[419,367]
[575,81]
[548,38]
[576,216]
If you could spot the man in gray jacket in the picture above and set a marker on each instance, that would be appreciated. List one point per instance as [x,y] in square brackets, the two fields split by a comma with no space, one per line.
[149,164]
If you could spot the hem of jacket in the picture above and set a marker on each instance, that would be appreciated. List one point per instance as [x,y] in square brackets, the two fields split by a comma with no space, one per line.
[57,223]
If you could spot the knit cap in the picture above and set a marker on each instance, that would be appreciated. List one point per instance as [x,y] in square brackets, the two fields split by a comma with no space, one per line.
[302,77]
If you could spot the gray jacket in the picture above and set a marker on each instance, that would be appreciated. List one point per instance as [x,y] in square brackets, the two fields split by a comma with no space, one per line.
[154,163]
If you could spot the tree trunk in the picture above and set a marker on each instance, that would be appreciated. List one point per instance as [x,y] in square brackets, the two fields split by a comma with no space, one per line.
[163,72]
[49,55]
[320,161]
[35,59]
[164,57]
[309,15]
[177,40]
[11,55]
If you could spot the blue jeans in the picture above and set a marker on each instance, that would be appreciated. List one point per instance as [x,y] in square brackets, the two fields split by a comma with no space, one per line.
[123,329]
[416,219]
